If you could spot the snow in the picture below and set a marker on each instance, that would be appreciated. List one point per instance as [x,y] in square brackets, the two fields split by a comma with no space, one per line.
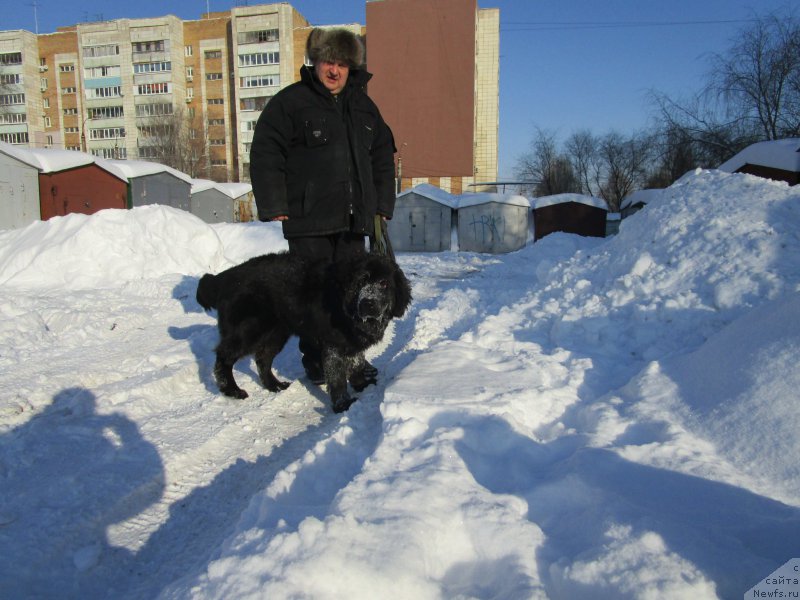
[478,198]
[778,154]
[47,160]
[583,418]
[544,201]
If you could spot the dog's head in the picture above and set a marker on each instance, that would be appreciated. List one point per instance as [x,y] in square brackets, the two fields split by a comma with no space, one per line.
[374,289]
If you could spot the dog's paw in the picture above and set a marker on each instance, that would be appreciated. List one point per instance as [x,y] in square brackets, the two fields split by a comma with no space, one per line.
[235,392]
[277,385]
[359,381]
[342,403]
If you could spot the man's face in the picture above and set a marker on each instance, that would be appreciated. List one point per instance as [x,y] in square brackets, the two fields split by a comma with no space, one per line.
[333,75]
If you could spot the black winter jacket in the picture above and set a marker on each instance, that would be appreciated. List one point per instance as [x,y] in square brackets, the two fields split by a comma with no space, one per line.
[319,159]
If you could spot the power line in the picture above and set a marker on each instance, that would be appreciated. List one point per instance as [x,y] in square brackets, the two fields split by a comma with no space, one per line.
[512,26]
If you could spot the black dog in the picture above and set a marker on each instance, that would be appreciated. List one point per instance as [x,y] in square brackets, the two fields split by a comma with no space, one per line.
[343,308]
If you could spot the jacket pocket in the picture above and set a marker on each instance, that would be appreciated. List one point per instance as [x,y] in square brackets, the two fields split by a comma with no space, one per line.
[316,132]
[365,128]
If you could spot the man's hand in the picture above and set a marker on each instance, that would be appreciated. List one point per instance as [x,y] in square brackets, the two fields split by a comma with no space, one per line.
[280,218]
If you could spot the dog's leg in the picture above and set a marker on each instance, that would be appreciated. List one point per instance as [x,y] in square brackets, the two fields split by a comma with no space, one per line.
[223,372]
[363,373]
[271,345]
[335,367]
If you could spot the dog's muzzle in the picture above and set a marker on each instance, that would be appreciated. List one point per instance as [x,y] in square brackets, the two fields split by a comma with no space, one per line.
[371,303]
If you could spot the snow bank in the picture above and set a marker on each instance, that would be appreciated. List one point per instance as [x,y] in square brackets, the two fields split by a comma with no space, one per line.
[107,249]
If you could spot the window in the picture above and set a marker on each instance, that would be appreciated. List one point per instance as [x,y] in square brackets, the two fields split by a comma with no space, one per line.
[213,76]
[260,81]
[48,122]
[190,112]
[11,99]
[216,121]
[99,72]
[187,51]
[10,78]
[148,89]
[189,73]
[260,58]
[101,50]
[150,46]
[46,103]
[147,131]
[71,130]
[107,133]
[216,142]
[70,111]
[153,110]
[249,125]
[6,118]
[11,58]
[20,137]
[43,84]
[213,54]
[42,62]
[112,153]
[106,112]
[49,140]
[216,101]
[255,37]
[114,91]
[66,68]
[69,90]
[218,162]
[75,148]
[152,67]
[189,93]
[147,152]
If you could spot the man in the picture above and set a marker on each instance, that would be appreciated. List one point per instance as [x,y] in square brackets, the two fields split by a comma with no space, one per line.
[322,160]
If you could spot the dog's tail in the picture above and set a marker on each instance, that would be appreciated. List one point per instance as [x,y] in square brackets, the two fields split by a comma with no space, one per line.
[207,291]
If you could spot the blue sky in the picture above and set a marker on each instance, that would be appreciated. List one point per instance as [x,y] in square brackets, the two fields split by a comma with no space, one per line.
[564,65]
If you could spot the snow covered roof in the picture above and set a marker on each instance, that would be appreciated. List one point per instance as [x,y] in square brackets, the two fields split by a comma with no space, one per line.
[232,190]
[130,169]
[478,198]
[778,154]
[432,193]
[47,160]
[20,153]
[643,196]
[564,198]
[51,160]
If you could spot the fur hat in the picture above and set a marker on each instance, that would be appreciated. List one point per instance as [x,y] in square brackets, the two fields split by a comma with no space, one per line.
[335,44]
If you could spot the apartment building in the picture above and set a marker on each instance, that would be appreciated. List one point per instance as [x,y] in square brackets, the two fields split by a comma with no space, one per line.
[189,93]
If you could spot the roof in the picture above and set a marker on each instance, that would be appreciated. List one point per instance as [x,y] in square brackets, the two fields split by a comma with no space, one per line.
[544,201]
[47,160]
[50,160]
[130,169]
[641,196]
[466,200]
[232,190]
[432,192]
[778,154]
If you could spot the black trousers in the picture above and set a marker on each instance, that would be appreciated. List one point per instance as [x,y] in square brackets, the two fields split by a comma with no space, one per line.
[331,248]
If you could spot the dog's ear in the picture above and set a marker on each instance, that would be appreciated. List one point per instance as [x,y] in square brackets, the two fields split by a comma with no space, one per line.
[402,292]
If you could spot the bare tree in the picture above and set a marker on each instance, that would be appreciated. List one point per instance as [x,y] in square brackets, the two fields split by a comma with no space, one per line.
[552,171]
[752,94]
[582,150]
[626,161]
[758,77]
[175,140]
